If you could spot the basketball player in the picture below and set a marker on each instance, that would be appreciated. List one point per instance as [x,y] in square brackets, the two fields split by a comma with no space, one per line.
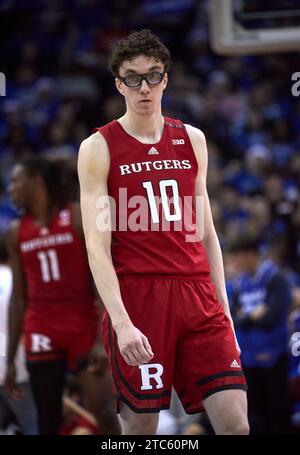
[167,321]
[23,408]
[51,278]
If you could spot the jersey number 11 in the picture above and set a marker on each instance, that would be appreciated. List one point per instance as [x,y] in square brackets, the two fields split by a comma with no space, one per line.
[49,265]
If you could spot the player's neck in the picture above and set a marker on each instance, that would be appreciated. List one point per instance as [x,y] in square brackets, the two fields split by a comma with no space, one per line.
[42,211]
[148,128]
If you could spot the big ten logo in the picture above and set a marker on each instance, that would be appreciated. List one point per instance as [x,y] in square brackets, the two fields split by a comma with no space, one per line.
[2,84]
[295,344]
[2,344]
[296,85]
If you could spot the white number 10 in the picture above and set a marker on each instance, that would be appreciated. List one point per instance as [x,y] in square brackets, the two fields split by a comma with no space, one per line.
[163,185]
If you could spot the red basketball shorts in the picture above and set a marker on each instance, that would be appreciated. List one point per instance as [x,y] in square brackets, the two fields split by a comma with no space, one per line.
[191,338]
[66,335]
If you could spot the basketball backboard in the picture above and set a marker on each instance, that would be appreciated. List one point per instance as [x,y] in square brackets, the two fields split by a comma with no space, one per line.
[240,27]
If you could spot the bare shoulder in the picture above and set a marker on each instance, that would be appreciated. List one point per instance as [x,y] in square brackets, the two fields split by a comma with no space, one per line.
[92,141]
[195,133]
[93,155]
[198,142]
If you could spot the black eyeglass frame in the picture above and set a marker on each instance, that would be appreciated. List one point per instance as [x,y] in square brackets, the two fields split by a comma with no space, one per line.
[143,77]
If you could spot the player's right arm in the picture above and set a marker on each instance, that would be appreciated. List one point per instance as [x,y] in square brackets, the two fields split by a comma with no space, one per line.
[93,169]
[17,307]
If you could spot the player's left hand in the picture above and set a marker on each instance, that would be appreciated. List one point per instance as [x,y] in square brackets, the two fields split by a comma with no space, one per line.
[10,383]
[98,362]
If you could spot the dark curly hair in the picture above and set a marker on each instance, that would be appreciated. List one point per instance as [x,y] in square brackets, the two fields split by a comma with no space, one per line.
[143,42]
[54,175]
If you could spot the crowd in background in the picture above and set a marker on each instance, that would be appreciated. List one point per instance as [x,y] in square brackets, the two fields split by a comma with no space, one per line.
[58,89]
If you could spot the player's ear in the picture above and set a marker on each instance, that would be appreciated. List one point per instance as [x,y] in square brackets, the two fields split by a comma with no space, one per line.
[119,85]
[165,80]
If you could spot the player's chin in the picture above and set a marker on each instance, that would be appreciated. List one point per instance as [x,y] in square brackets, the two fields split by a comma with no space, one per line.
[146,106]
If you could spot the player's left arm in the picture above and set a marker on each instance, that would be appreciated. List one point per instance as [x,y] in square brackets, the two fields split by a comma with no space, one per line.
[97,359]
[210,238]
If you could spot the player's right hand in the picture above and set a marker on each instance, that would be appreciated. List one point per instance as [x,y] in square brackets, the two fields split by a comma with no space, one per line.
[10,383]
[134,346]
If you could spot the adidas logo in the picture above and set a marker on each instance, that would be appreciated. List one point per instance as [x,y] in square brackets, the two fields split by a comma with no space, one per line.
[153,151]
[235,364]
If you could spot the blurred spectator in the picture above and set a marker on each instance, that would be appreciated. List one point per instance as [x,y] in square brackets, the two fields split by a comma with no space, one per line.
[59,141]
[76,420]
[260,305]
[7,213]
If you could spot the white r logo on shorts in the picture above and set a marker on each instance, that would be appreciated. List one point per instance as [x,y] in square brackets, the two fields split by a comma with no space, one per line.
[40,343]
[146,375]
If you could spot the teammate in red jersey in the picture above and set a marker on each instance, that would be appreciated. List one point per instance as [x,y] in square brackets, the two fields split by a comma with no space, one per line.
[167,321]
[53,300]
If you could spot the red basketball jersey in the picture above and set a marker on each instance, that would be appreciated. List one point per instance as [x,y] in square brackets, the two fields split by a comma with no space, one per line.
[56,267]
[153,186]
